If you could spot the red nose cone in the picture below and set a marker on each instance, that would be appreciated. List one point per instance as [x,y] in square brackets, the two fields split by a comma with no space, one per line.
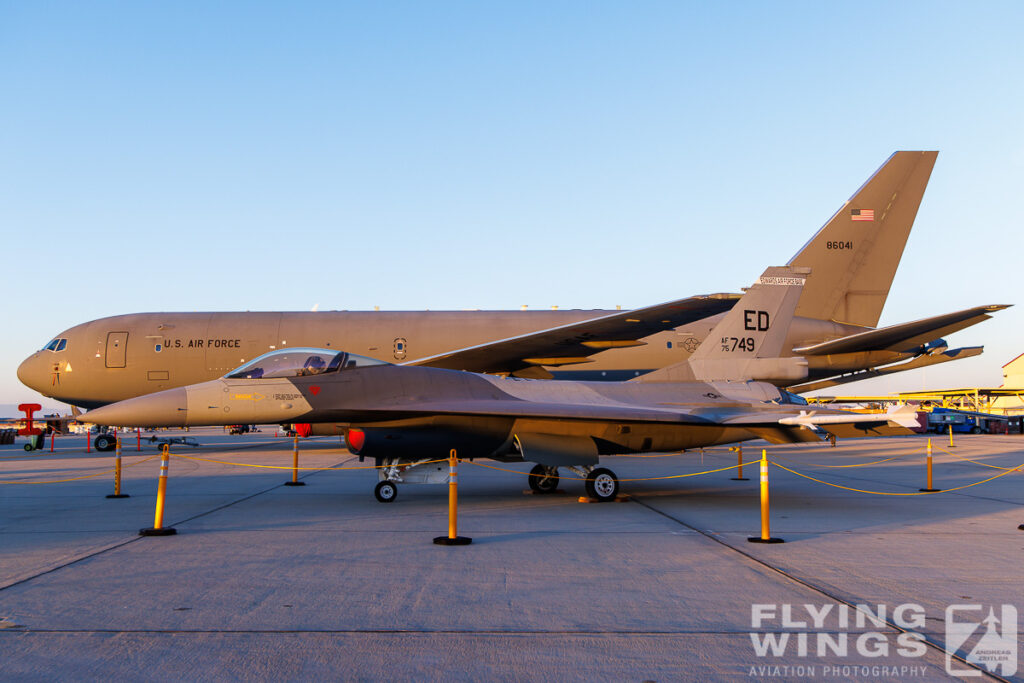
[355,440]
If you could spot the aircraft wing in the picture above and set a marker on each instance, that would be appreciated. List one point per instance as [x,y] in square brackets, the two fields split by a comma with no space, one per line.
[899,420]
[904,337]
[536,409]
[777,423]
[526,355]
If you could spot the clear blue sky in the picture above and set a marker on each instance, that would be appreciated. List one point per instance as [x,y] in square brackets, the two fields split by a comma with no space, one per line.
[233,156]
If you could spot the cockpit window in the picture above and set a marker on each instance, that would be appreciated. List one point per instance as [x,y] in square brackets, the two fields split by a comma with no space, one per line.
[790,397]
[56,345]
[300,362]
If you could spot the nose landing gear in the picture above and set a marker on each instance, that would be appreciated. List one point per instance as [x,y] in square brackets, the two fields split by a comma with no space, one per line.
[386,491]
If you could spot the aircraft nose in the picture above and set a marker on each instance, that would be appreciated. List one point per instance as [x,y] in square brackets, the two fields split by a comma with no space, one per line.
[30,374]
[162,409]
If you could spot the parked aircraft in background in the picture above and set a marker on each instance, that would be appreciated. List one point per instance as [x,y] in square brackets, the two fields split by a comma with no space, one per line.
[406,416]
[853,259]
[51,422]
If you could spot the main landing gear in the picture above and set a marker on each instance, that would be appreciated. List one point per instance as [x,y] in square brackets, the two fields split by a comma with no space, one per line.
[602,485]
[543,479]
[600,482]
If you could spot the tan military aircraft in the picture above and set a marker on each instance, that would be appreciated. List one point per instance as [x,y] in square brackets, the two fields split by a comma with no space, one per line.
[406,416]
[853,259]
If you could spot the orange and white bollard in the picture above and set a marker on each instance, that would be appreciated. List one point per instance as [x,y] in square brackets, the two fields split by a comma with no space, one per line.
[453,537]
[158,528]
[295,465]
[138,439]
[766,534]
[52,434]
[928,461]
[117,472]
[951,436]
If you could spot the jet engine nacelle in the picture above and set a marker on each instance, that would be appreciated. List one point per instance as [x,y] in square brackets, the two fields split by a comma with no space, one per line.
[424,442]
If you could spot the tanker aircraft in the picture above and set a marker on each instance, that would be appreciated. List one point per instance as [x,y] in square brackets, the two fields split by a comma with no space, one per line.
[408,417]
[853,259]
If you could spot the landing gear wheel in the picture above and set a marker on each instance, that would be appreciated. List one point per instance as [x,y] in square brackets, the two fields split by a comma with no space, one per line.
[105,443]
[386,491]
[602,485]
[543,479]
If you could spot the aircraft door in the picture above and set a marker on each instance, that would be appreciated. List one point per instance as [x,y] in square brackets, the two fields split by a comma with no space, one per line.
[117,345]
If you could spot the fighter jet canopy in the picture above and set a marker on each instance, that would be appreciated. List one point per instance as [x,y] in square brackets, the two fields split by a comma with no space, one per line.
[299,362]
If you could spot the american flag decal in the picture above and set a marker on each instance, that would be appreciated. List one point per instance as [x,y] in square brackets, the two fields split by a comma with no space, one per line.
[862,214]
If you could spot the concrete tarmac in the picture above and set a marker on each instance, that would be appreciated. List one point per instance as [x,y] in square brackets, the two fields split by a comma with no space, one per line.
[265,581]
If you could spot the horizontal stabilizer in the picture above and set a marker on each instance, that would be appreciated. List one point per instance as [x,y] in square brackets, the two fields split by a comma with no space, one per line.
[904,337]
[919,362]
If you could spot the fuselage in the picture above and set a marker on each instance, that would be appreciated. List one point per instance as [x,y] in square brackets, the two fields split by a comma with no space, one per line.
[120,357]
[482,412]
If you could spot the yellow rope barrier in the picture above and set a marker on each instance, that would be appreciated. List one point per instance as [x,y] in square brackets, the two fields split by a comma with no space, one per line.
[289,467]
[960,457]
[87,476]
[865,464]
[884,493]
[671,476]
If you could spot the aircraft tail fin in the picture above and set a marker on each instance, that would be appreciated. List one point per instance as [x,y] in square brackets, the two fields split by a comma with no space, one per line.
[854,256]
[747,342]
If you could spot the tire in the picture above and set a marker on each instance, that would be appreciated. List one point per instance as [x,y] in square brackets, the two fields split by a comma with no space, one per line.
[543,479]
[386,491]
[105,443]
[29,447]
[975,430]
[602,485]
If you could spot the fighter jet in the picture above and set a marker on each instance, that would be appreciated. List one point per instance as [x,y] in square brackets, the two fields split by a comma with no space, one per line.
[404,417]
[853,259]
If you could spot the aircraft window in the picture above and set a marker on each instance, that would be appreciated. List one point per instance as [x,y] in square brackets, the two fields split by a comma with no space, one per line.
[56,345]
[299,362]
[790,397]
